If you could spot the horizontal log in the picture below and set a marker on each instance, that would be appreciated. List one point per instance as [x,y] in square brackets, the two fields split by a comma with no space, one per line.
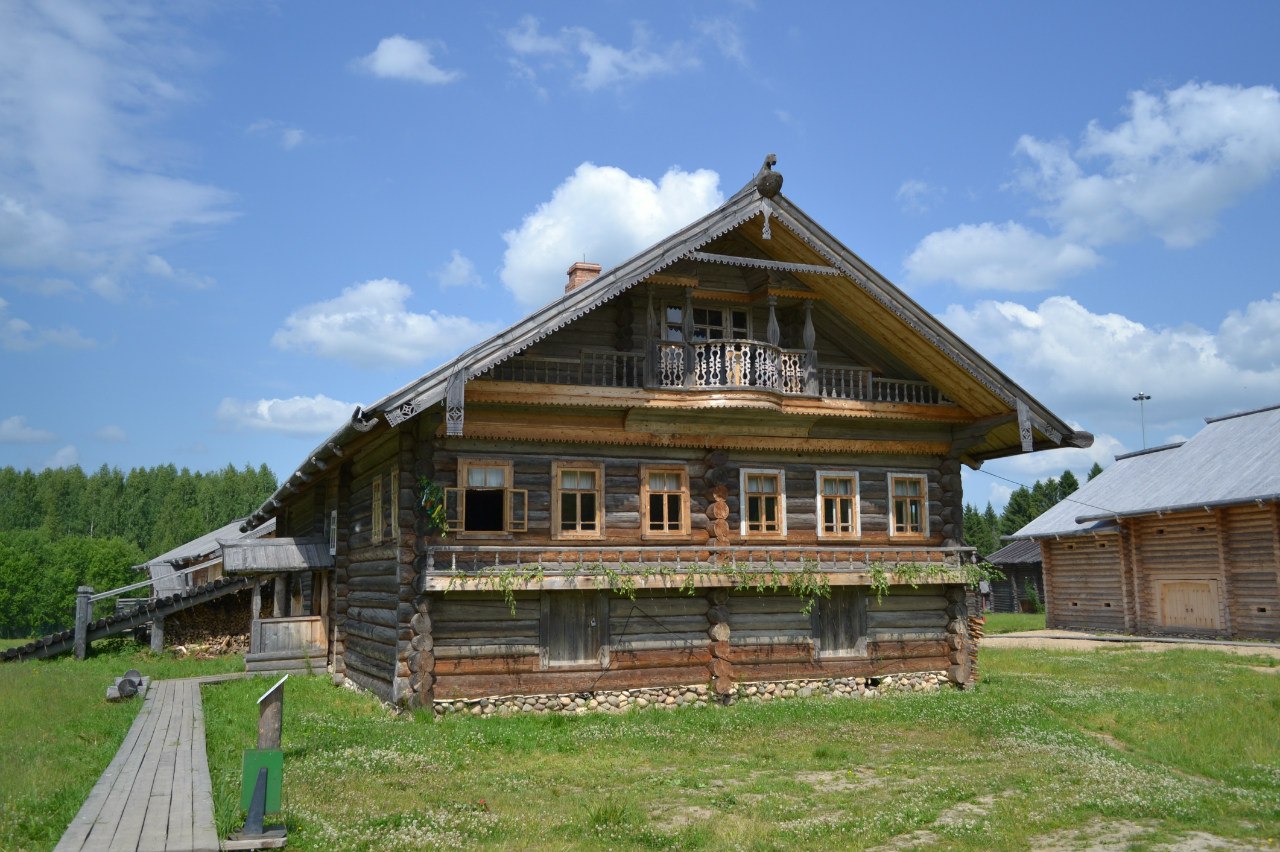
[658,658]
[379,633]
[795,620]
[907,650]
[782,652]
[896,602]
[314,653]
[388,585]
[376,684]
[494,610]
[377,600]
[888,634]
[381,669]
[503,664]
[745,636]
[444,652]
[371,615]
[644,623]
[661,636]
[376,568]
[294,665]
[481,641]
[474,629]
[665,642]
[622,607]
[906,618]
[477,686]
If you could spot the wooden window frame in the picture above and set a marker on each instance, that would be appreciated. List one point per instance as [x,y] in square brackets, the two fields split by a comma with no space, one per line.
[820,501]
[559,467]
[333,532]
[924,506]
[510,497]
[726,322]
[685,502]
[743,497]
[375,510]
[395,507]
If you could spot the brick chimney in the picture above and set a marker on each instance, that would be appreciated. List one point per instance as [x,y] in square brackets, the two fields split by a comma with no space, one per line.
[581,273]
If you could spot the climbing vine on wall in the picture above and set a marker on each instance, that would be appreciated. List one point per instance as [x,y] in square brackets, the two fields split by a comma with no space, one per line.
[431,503]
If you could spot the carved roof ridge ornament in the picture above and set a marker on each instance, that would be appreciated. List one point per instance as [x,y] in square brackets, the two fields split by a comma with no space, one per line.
[455,396]
[768,183]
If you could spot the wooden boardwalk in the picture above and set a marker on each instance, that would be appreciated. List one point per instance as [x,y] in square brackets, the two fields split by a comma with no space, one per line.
[156,793]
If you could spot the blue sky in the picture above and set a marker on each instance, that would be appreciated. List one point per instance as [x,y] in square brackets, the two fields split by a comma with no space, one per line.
[224,225]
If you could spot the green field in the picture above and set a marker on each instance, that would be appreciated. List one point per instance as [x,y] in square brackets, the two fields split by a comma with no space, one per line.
[1110,749]
[1013,622]
[58,732]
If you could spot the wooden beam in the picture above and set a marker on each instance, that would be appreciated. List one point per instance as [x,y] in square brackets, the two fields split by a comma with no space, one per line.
[762,263]
[1220,530]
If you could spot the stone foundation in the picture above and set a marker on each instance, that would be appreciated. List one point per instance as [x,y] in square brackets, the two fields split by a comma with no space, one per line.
[670,698]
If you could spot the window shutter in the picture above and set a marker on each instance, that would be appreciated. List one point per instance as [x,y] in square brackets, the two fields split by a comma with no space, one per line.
[454,509]
[517,510]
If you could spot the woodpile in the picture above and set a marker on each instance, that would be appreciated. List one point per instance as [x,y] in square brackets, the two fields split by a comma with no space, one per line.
[216,628]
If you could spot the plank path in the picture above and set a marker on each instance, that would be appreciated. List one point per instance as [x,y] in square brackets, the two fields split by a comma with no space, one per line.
[155,794]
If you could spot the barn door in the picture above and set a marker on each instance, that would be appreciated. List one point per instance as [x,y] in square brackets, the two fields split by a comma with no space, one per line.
[1192,604]
[573,625]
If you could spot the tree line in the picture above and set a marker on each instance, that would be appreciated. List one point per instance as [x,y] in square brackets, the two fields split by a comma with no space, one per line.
[61,528]
[983,529]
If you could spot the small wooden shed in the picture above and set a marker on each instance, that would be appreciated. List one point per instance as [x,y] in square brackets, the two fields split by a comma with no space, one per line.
[1181,539]
[1022,588]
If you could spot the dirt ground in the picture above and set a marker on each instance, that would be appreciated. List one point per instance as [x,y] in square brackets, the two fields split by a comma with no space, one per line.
[1066,640]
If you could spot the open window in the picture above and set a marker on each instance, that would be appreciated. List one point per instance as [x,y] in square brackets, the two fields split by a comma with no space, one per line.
[764,503]
[484,501]
[838,509]
[664,501]
[577,499]
[908,505]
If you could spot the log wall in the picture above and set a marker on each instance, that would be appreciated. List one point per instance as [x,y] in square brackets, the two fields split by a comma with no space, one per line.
[1083,586]
[1253,570]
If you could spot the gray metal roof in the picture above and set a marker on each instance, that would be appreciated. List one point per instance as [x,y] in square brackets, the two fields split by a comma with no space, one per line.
[1023,552]
[274,555]
[743,206]
[162,568]
[1232,460]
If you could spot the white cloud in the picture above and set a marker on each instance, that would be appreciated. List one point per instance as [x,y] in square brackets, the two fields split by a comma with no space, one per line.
[1250,339]
[400,58]
[1180,159]
[369,325]
[85,186]
[287,136]
[14,430]
[111,434]
[68,456]
[917,196]
[297,415]
[18,335]
[1089,366]
[605,213]
[595,63]
[458,272]
[726,35]
[1001,257]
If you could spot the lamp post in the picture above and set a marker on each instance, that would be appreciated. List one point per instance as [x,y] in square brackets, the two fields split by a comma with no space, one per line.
[1141,399]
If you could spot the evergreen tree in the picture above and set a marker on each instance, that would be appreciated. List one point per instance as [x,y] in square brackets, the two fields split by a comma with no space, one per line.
[1020,510]
[1095,470]
[1067,484]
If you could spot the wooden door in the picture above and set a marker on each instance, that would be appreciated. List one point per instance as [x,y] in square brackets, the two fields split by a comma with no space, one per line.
[839,623]
[1190,604]
[574,627]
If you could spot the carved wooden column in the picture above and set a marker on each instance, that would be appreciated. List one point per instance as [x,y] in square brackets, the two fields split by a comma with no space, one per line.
[772,333]
[810,353]
[690,365]
[652,350]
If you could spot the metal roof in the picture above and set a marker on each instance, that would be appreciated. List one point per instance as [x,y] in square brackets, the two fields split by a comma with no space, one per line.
[161,569]
[1023,552]
[1232,460]
[275,555]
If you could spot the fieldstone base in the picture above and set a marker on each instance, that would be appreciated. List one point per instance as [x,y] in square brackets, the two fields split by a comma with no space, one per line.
[671,698]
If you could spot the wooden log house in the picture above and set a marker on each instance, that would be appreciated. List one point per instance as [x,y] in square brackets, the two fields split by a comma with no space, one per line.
[1181,539]
[745,403]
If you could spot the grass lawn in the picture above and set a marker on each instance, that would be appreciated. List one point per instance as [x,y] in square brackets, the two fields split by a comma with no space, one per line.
[58,732]
[1013,622]
[1120,748]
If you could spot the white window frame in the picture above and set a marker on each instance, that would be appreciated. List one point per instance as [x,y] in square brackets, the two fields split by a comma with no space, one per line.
[924,506]
[743,473]
[559,467]
[820,498]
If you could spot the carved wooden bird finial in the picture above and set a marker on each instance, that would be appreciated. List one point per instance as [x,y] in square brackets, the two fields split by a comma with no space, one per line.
[769,182]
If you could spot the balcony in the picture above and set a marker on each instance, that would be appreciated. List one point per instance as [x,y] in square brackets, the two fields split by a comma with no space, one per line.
[719,365]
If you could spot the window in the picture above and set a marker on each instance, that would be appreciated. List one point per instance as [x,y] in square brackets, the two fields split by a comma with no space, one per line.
[664,501]
[838,504]
[484,501]
[333,532]
[908,496]
[708,324]
[395,506]
[375,511]
[763,503]
[577,498]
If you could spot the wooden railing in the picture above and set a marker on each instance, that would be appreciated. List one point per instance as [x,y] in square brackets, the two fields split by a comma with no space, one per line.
[588,561]
[728,364]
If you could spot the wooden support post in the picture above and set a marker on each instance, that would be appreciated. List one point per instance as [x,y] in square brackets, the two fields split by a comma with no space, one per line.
[256,607]
[271,715]
[84,609]
[295,595]
[690,364]
[157,635]
[278,595]
[773,334]
[811,352]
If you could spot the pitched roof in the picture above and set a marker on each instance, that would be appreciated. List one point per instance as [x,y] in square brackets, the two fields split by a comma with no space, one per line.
[163,567]
[273,555]
[1024,552]
[1234,459]
[825,265]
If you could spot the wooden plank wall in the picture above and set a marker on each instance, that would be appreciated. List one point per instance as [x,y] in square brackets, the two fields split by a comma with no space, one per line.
[1007,594]
[1084,583]
[662,638]
[1178,546]
[1253,567]
[532,463]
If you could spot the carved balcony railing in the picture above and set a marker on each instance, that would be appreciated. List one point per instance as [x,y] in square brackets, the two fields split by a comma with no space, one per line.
[746,364]
[717,364]
[670,565]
